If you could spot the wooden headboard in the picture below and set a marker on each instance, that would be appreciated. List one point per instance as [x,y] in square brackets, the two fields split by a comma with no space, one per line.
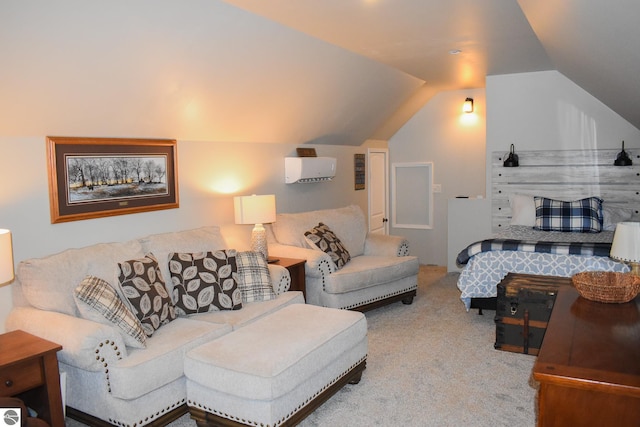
[565,175]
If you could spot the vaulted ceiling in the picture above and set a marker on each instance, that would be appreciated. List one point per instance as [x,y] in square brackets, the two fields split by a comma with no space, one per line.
[293,71]
[592,42]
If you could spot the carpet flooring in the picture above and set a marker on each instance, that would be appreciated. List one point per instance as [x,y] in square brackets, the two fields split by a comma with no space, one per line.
[431,363]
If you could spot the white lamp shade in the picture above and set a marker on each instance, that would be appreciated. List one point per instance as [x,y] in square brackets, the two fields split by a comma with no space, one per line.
[6,257]
[255,209]
[626,242]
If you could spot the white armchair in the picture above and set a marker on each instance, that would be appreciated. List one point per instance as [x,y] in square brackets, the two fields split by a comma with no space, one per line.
[380,270]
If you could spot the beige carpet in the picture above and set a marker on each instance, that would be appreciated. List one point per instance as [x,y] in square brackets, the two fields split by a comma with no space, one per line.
[431,364]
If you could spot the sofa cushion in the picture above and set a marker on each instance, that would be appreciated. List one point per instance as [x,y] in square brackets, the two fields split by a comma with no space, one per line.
[322,238]
[140,282]
[162,362]
[202,239]
[98,301]
[251,311]
[367,271]
[254,279]
[348,222]
[48,283]
[205,281]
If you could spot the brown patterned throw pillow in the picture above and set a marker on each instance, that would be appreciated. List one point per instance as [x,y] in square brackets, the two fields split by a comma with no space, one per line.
[324,239]
[142,285]
[205,281]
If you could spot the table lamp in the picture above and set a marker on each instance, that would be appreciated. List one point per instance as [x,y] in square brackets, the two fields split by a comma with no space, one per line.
[256,210]
[6,257]
[626,245]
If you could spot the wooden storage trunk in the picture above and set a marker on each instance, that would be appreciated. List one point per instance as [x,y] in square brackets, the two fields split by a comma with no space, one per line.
[523,309]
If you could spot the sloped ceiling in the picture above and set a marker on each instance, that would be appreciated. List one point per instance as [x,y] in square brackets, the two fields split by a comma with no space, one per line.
[303,71]
[596,44]
[190,70]
[592,42]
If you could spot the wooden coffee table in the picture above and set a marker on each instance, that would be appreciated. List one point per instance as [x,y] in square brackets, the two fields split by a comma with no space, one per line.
[589,363]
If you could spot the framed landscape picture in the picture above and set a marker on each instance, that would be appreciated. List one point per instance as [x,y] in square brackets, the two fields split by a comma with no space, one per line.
[98,177]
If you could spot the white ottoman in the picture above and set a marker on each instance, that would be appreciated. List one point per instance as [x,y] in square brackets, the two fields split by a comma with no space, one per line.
[278,369]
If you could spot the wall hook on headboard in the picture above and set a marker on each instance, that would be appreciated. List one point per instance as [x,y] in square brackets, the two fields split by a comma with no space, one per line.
[623,158]
[512,160]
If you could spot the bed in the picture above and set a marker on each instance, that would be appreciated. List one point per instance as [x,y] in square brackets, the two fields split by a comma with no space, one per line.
[525,222]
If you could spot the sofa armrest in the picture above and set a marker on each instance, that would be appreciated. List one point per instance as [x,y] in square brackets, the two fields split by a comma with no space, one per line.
[318,263]
[386,245]
[280,278]
[85,344]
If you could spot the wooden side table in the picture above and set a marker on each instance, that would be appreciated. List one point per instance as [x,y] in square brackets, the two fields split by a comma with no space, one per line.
[296,271]
[29,371]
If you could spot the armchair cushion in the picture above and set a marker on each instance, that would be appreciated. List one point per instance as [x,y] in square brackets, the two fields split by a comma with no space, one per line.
[325,240]
[144,292]
[368,271]
[98,301]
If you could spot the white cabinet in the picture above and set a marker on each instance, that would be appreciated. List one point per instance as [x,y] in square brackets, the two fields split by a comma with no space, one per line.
[469,220]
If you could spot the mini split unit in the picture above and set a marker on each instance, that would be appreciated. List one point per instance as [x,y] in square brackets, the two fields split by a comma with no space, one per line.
[309,169]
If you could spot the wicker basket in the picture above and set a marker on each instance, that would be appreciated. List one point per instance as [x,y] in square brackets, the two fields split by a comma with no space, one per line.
[605,286]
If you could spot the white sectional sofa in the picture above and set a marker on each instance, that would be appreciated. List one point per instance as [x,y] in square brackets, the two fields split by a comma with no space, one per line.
[109,381]
[380,269]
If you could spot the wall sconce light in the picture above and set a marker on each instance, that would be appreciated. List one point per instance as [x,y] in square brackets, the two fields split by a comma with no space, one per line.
[623,158]
[467,107]
[6,257]
[512,159]
[256,210]
[626,245]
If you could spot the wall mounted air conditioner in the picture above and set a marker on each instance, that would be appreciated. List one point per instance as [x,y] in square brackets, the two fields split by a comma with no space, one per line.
[309,169]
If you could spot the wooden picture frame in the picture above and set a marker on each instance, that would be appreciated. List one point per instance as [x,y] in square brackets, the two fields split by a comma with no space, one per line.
[99,177]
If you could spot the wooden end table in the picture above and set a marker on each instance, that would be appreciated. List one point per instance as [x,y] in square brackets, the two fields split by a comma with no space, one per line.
[296,271]
[29,371]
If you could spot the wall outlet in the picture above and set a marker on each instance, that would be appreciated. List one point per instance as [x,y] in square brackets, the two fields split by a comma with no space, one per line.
[437,188]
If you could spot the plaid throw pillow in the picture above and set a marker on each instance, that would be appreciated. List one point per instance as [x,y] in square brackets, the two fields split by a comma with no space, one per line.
[583,215]
[324,239]
[255,281]
[98,301]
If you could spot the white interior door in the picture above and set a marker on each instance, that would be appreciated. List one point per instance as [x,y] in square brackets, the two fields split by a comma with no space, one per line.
[378,165]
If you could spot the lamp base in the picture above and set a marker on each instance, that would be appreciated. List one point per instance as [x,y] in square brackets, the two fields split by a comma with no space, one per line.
[259,241]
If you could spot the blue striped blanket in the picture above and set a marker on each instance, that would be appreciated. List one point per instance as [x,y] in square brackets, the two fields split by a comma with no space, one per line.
[563,248]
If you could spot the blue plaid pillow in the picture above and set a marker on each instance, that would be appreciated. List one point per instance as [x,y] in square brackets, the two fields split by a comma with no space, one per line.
[583,216]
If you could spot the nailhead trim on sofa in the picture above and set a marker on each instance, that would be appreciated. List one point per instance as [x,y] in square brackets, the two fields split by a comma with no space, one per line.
[100,357]
[380,298]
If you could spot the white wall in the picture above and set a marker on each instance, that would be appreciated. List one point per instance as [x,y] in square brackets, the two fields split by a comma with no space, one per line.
[547,111]
[455,143]
[210,174]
